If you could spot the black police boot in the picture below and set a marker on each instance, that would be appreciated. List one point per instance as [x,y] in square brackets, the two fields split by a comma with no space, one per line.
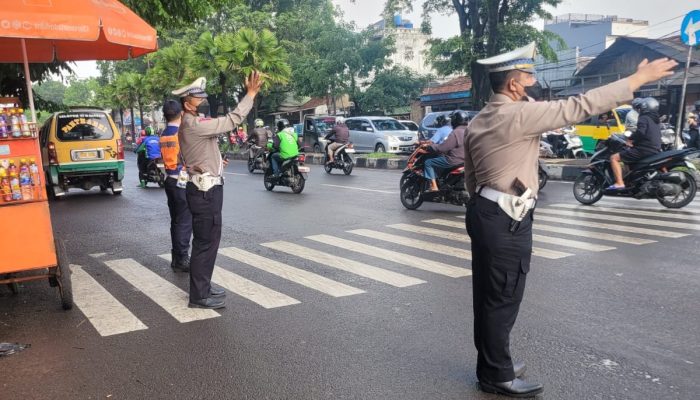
[180,263]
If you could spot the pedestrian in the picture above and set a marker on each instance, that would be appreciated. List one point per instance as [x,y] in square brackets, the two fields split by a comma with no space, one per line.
[200,151]
[175,188]
[693,133]
[501,159]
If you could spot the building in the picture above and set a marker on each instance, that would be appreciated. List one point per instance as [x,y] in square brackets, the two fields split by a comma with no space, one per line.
[411,44]
[452,95]
[594,33]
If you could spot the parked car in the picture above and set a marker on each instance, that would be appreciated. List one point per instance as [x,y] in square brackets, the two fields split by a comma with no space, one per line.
[315,129]
[412,126]
[380,134]
[428,126]
[82,148]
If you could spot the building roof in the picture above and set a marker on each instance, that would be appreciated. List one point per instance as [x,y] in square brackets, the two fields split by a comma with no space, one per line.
[459,84]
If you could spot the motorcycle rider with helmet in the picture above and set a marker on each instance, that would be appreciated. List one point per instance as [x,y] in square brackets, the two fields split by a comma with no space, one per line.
[633,116]
[451,150]
[340,135]
[283,146]
[258,140]
[148,151]
[444,129]
[644,142]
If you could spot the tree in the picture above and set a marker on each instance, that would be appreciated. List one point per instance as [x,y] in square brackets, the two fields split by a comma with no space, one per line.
[81,92]
[169,13]
[50,92]
[393,88]
[487,27]
[12,80]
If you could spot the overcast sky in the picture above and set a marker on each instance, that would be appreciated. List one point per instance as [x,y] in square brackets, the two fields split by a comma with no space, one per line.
[366,12]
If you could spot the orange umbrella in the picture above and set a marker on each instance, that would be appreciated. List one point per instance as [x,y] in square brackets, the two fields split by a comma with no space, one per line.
[41,31]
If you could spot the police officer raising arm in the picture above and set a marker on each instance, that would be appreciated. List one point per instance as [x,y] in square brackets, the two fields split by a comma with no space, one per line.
[501,156]
[198,138]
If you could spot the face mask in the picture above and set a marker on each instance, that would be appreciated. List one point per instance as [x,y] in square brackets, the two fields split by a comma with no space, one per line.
[534,92]
[203,108]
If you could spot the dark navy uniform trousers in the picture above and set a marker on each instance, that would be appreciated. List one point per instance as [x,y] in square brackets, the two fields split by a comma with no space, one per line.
[206,229]
[180,218]
[500,263]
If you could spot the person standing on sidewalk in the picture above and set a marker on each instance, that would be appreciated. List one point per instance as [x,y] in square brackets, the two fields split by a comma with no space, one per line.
[175,184]
[501,147]
[205,193]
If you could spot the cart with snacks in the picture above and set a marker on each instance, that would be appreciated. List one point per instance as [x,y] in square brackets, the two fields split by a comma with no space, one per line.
[29,251]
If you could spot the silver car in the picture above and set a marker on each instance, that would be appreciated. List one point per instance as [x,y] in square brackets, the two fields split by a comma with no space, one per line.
[380,134]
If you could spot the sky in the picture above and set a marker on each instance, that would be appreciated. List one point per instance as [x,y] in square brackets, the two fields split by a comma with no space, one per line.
[366,12]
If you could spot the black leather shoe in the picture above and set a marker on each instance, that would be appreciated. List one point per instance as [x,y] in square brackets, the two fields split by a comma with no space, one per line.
[180,264]
[217,292]
[519,368]
[515,388]
[209,302]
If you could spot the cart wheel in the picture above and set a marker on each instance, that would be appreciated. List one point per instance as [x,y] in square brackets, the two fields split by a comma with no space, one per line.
[65,288]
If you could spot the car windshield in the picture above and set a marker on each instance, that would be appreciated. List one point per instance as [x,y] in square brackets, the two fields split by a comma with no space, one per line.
[325,124]
[77,126]
[622,113]
[388,125]
[411,126]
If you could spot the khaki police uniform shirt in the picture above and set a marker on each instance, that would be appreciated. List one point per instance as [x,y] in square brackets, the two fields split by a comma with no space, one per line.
[199,138]
[502,141]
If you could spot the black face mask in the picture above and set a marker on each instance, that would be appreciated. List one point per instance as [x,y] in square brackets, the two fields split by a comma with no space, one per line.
[203,108]
[535,91]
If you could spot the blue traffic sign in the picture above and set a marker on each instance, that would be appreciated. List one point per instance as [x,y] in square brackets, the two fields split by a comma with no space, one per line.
[690,28]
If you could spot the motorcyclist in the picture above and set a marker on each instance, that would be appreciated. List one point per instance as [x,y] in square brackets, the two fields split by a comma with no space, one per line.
[148,150]
[258,140]
[694,140]
[645,141]
[633,116]
[444,129]
[451,150]
[339,135]
[283,146]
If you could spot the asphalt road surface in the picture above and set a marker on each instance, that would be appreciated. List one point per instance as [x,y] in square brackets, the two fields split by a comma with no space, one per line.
[341,293]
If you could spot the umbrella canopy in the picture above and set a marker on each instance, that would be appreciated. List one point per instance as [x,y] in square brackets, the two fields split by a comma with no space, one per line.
[72,30]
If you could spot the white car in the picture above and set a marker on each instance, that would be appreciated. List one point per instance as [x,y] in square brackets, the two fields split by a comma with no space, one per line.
[381,135]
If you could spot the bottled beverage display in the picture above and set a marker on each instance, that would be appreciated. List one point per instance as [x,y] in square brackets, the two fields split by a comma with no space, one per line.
[4,132]
[20,180]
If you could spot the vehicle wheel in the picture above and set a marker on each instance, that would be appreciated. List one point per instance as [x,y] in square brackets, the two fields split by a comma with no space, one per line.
[161,182]
[542,176]
[411,193]
[267,180]
[685,196]
[326,167]
[588,189]
[380,148]
[317,148]
[298,186]
[349,165]
[65,289]
[251,165]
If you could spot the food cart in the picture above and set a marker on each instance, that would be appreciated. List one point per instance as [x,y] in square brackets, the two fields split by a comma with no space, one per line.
[43,32]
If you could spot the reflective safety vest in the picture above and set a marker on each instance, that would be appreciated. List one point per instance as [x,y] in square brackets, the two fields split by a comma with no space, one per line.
[288,144]
[170,150]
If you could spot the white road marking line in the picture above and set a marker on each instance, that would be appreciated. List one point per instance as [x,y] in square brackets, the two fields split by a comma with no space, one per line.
[620,228]
[393,256]
[576,244]
[236,173]
[105,313]
[591,234]
[537,251]
[378,274]
[414,243]
[296,275]
[97,255]
[687,210]
[362,189]
[248,289]
[165,294]
[693,206]
[687,216]
[459,237]
[641,221]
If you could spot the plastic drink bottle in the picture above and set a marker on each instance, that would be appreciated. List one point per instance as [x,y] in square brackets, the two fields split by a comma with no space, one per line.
[4,132]
[14,122]
[14,185]
[24,124]
[5,189]
[34,172]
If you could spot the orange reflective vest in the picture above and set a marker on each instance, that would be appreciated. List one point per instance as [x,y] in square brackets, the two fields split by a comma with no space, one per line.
[170,151]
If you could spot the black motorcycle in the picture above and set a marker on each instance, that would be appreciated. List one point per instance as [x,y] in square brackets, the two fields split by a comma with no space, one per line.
[341,160]
[413,184]
[259,161]
[668,176]
[155,172]
[542,174]
[293,174]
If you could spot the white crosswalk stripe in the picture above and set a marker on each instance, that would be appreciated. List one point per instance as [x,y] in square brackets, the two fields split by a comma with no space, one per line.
[537,251]
[418,244]
[611,227]
[622,202]
[608,217]
[591,234]
[687,210]
[345,264]
[296,275]
[106,314]
[259,294]
[450,235]
[688,216]
[393,256]
[168,296]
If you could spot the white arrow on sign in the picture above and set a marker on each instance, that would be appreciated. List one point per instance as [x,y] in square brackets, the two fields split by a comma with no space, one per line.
[691,30]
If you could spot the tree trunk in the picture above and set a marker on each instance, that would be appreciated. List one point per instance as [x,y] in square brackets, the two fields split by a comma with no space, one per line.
[143,123]
[481,87]
[133,125]
[492,12]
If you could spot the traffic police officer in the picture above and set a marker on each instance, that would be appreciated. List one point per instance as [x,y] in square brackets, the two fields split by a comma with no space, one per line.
[200,150]
[501,151]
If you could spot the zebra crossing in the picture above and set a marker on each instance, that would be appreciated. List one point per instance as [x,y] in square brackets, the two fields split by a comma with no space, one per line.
[401,256]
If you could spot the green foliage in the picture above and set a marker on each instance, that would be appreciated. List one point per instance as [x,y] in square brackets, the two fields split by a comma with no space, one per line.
[393,88]
[50,91]
[81,92]
[162,13]
[249,51]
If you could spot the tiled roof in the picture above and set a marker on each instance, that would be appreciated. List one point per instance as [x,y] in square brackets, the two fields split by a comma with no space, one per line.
[460,84]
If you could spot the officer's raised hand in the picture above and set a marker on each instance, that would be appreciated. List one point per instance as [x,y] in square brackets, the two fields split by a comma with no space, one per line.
[648,72]
[253,83]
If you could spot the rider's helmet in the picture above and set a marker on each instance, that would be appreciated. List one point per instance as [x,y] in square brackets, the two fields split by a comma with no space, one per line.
[458,118]
[150,131]
[636,103]
[339,120]
[259,123]
[281,125]
[648,105]
[441,120]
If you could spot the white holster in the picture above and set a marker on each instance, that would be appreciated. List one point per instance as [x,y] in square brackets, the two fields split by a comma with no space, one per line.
[204,182]
[515,206]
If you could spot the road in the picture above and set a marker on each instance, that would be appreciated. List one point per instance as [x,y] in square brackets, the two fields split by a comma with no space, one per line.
[340,293]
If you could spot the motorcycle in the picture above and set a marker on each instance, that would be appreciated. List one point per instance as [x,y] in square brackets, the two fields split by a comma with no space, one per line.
[564,145]
[155,172]
[413,184]
[259,161]
[293,174]
[668,177]
[542,174]
[668,137]
[341,160]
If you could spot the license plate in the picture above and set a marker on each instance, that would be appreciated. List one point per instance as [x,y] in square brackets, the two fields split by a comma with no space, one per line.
[87,155]
[304,169]
[349,150]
